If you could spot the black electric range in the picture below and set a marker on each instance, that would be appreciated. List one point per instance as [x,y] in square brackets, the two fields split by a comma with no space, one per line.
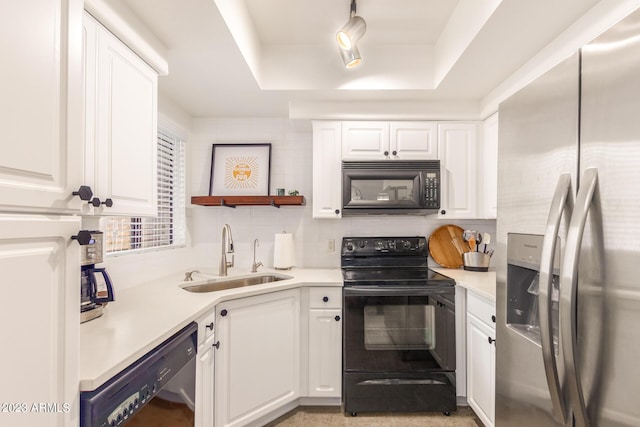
[399,328]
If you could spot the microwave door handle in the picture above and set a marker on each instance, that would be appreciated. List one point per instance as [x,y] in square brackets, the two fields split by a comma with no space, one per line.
[569,290]
[562,203]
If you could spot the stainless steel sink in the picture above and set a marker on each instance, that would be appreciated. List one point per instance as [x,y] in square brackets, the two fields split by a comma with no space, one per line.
[219,285]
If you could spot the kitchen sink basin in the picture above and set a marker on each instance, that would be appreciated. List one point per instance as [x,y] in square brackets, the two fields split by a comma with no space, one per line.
[219,285]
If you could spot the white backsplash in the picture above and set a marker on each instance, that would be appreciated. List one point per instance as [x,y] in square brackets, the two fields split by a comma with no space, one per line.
[291,168]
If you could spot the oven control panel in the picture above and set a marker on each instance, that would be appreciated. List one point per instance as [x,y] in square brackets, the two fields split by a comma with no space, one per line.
[379,246]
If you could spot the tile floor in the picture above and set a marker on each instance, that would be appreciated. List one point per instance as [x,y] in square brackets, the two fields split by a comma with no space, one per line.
[159,413]
[307,416]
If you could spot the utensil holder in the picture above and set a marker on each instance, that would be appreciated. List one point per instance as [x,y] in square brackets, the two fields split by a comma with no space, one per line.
[476,261]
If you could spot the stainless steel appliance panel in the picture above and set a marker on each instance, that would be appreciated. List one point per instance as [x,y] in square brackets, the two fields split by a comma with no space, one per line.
[538,141]
[609,294]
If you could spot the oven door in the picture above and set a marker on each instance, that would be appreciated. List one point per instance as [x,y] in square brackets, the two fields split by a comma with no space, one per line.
[399,350]
[399,330]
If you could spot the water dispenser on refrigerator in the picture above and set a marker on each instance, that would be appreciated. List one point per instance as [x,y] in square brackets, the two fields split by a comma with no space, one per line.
[523,281]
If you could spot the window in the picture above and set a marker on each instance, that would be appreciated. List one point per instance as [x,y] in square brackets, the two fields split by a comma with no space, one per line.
[168,228]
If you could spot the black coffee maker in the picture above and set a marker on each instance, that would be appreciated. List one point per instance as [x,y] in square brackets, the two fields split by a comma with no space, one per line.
[96,289]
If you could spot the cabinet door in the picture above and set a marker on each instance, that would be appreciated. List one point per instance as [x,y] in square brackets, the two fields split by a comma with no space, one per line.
[327,170]
[460,167]
[481,356]
[365,141]
[205,385]
[257,367]
[126,129]
[41,105]
[40,318]
[488,194]
[325,353]
[414,140]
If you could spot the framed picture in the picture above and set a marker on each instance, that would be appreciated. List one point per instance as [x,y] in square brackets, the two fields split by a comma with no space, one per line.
[240,170]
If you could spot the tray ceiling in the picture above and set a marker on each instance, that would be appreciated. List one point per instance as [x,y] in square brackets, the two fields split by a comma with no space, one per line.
[259,57]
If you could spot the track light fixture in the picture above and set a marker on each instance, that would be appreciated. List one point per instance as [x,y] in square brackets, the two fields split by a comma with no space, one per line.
[348,36]
[350,57]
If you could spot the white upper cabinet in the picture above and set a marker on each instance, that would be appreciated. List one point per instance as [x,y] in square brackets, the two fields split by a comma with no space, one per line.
[120,125]
[467,152]
[41,106]
[327,172]
[460,169]
[373,140]
[413,140]
[489,170]
[365,140]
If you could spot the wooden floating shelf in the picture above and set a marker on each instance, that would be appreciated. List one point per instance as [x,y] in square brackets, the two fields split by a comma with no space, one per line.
[233,201]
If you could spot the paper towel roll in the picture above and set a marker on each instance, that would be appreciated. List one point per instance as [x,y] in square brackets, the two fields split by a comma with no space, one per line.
[284,256]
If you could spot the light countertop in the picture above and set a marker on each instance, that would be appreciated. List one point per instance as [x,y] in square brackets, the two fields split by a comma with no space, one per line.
[480,282]
[144,316]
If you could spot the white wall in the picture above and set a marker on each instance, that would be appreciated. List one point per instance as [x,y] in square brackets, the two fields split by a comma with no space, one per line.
[291,169]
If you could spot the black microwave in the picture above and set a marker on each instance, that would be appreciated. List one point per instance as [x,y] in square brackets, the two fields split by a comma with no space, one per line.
[390,187]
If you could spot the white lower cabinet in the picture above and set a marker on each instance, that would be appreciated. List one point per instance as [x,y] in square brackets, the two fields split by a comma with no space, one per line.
[481,357]
[205,376]
[325,342]
[257,364]
[40,318]
[205,371]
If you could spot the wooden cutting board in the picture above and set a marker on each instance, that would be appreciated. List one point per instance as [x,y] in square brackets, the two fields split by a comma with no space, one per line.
[446,246]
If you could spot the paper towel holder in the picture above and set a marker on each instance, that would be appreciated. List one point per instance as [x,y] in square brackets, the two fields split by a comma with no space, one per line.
[283,251]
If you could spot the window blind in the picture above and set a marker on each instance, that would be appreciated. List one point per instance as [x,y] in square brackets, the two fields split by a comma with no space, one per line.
[168,227]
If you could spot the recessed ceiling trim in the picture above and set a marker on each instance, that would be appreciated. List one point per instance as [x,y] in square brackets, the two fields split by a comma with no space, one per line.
[238,20]
[122,22]
[465,23]
[384,110]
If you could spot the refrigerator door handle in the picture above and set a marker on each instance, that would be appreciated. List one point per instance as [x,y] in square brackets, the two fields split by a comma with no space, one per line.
[569,294]
[562,203]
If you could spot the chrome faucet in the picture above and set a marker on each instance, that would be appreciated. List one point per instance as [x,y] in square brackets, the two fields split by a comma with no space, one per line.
[227,247]
[254,266]
[188,274]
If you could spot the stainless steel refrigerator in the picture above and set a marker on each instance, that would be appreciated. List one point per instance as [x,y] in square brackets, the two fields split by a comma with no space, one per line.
[568,257]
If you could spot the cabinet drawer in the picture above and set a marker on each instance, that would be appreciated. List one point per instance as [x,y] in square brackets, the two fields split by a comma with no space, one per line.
[481,308]
[333,297]
[206,326]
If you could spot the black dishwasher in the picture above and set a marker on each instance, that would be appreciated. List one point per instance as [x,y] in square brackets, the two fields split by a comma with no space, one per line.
[119,399]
